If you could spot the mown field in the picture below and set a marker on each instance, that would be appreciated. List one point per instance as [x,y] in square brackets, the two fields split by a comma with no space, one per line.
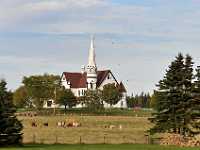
[97,147]
[93,130]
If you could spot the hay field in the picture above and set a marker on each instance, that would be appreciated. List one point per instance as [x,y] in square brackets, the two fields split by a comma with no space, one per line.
[92,131]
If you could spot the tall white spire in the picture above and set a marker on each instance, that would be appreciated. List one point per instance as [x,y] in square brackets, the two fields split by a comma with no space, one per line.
[91,67]
[92,56]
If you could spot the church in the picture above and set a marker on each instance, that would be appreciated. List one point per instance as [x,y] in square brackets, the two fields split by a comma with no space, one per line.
[90,78]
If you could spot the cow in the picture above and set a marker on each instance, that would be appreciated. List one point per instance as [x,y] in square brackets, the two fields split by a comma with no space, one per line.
[61,124]
[33,124]
[46,124]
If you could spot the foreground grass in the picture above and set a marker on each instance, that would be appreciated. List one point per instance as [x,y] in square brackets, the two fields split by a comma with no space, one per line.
[98,147]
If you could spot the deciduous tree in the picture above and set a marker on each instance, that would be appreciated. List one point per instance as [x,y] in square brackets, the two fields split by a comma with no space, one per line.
[20,97]
[111,94]
[66,97]
[41,88]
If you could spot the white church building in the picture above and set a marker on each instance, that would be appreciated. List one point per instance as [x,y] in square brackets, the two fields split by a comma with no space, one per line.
[90,78]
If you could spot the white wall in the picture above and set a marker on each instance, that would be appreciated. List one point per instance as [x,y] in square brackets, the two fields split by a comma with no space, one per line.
[65,83]
[76,91]
[54,105]
[108,81]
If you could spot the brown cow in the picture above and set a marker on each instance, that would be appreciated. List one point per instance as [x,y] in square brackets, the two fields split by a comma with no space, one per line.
[46,124]
[33,124]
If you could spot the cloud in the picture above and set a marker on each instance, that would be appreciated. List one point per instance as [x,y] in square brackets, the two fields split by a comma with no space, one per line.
[21,11]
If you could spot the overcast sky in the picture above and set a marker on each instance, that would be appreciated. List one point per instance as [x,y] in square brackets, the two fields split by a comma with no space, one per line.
[136,39]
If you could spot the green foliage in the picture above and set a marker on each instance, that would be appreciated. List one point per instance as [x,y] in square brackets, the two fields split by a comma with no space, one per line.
[111,94]
[66,97]
[41,88]
[194,104]
[175,102]
[143,100]
[153,102]
[21,98]
[93,100]
[10,127]
[130,101]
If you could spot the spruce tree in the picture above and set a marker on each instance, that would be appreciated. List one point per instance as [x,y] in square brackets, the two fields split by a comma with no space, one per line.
[187,97]
[10,127]
[168,117]
[194,105]
[178,99]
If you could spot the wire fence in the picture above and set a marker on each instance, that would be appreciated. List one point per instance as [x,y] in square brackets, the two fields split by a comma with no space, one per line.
[89,139]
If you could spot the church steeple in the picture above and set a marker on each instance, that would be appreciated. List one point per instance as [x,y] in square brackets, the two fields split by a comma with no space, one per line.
[92,56]
[91,67]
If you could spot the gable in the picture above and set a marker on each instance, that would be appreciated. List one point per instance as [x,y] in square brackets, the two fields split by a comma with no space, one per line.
[107,78]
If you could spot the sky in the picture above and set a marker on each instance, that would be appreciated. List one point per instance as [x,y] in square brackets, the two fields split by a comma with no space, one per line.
[136,39]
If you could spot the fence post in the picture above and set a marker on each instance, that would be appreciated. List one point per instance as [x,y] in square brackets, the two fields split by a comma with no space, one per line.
[80,140]
[34,138]
[56,139]
[149,139]
[124,141]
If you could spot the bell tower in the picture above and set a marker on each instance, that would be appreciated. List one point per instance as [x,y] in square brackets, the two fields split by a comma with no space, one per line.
[92,68]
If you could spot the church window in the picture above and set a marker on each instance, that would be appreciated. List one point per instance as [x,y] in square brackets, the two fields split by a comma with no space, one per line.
[49,103]
[79,93]
[82,92]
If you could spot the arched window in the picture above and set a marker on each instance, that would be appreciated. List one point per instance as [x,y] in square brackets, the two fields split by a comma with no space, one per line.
[79,93]
[91,85]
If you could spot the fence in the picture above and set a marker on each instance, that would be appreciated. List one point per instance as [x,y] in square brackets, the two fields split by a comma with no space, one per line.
[88,139]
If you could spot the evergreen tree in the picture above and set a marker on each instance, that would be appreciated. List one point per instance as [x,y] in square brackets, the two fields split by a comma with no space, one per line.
[10,127]
[168,117]
[187,97]
[178,99]
[130,101]
[194,105]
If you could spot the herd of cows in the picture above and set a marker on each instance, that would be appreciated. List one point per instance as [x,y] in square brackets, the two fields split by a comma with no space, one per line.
[63,124]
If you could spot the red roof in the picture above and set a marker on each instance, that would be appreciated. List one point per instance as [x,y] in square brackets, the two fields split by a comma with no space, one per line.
[79,80]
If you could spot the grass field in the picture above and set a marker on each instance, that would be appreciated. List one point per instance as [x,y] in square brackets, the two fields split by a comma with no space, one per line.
[92,131]
[86,112]
[97,147]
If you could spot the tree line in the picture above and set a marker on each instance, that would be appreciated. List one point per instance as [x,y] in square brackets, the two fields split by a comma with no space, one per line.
[143,100]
